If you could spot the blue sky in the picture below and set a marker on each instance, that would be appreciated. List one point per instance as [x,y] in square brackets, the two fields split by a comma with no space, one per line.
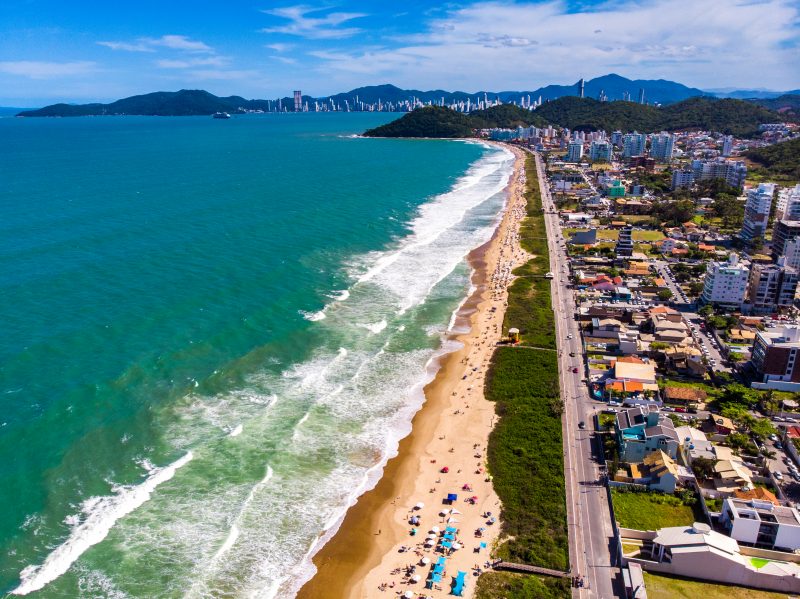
[77,51]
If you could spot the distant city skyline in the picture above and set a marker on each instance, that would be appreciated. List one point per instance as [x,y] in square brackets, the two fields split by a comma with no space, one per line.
[87,50]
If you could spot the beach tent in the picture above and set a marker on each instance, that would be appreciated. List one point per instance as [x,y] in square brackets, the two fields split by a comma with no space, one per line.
[449,537]
[446,544]
[458,584]
[438,570]
[451,529]
[451,497]
[452,520]
[441,561]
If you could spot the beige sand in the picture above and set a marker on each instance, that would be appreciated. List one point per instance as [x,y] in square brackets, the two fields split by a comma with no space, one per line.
[364,558]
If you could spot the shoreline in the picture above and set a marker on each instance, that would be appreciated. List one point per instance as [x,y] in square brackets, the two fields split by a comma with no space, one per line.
[365,549]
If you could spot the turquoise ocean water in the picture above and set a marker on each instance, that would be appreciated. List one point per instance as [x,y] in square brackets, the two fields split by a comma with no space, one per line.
[213,335]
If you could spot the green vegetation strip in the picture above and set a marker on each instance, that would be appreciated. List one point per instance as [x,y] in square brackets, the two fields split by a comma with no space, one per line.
[508,585]
[651,511]
[525,448]
[667,587]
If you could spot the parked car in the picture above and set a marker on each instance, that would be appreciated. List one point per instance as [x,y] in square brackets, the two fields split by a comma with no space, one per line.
[773,438]
[681,410]
[778,445]
[778,475]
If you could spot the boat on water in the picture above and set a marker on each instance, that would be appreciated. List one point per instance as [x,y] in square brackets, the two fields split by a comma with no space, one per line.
[221,115]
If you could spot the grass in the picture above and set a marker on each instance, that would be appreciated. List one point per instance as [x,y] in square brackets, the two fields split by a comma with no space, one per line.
[629,548]
[651,511]
[647,236]
[508,585]
[667,587]
[525,447]
[714,505]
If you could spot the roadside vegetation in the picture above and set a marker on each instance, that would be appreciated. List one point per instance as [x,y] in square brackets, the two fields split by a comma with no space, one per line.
[530,307]
[508,585]
[643,510]
[667,587]
[779,162]
[525,447]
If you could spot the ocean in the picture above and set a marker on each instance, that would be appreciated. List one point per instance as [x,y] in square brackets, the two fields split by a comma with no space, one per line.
[214,334]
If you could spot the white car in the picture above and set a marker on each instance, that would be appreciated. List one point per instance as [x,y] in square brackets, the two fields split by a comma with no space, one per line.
[569,336]
[778,476]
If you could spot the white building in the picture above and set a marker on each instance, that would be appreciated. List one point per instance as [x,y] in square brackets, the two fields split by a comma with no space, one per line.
[726,283]
[771,286]
[727,145]
[682,179]
[787,206]
[756,211]
[600,150]
[633,144]
[761,523]
[661,147]
[791,252]
[733,173]
[575,151]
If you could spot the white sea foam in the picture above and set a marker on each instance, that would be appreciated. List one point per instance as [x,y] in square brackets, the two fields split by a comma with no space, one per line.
[341,295]
[313,316]
[374,328]
[99,516]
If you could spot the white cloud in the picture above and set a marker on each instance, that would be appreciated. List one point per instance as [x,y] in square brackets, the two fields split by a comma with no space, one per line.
[320,27]
[514,45]
[280,48]
[34,69]
[149,44]
[128,46]
[211,61]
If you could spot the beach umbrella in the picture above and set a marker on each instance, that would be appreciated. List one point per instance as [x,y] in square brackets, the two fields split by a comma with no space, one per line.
[454,511]
[452,521]
[456,545]
[444,512]
[419,506]
[425,561]
[416,578]
[435,529]
[409,594]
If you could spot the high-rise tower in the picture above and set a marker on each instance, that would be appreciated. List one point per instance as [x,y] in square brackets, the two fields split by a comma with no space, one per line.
[581,87]
[298,101]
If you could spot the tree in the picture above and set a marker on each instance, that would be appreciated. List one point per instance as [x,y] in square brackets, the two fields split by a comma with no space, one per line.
[664,294]
[706,311]
[695,288]
[703,468]
[738,395]
[761,428]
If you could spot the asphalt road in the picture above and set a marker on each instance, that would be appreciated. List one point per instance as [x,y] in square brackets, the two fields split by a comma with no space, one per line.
[588,515]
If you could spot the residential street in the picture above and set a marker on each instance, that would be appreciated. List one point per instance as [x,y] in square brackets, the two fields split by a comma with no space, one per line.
[589,522]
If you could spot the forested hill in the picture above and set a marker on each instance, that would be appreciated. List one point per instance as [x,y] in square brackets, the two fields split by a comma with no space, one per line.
[186,102]
[780,162]
[726,116]
[436,121]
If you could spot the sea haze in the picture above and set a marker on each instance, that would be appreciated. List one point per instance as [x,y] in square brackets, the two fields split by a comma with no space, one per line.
[215,332]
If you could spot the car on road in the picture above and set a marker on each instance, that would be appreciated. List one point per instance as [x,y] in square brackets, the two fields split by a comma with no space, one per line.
[773,438]
[569,336]
[581,424]
[575,370]
[681,410]
[778,475]
[572,354]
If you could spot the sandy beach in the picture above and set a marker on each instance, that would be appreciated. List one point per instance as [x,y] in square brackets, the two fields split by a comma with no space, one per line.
[374,553]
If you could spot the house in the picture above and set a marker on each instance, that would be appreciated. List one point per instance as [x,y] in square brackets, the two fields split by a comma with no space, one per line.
[657,471]
[759,493]
[718,425]
[761,523]
[642,430]
[694,444]
[698,552]
[731,475]
[689,397]
[607,327]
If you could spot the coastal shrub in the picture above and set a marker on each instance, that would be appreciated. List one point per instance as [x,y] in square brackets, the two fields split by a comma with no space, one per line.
[526,456]
[492,585]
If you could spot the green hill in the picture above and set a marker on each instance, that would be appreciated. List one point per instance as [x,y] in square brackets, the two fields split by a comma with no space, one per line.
[726,116]
[505,116]
[186,102]
[787,105]
[779,162]
[436,121]
[429,121]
